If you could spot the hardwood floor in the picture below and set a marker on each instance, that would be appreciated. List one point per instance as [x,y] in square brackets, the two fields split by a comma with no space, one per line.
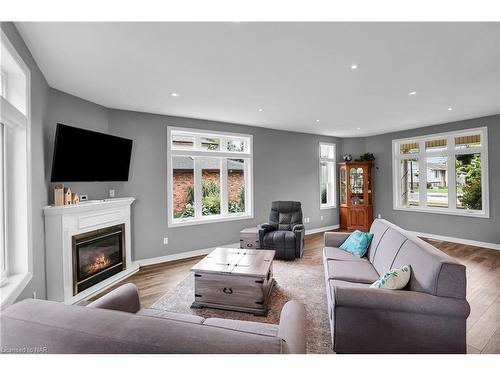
[483,286]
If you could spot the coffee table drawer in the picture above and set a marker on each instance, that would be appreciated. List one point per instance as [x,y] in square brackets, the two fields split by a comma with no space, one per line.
[230,290]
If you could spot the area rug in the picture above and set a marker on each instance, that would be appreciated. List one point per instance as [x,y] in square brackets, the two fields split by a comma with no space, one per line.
[301,280]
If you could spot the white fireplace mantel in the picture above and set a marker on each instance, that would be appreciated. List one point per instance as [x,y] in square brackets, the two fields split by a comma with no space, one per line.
[64,222]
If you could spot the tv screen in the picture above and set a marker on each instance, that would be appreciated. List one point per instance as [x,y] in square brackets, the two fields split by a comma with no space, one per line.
[84,155]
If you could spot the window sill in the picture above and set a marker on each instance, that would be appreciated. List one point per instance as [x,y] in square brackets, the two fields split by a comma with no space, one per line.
[328,207]
[208,220]
[13,287]
[479,214]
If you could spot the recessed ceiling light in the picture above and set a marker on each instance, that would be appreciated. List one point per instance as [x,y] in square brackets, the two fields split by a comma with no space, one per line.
[354,66]
[450,109]
[260,109]
[411,93]
[317,120]
[358,128]
[174,94]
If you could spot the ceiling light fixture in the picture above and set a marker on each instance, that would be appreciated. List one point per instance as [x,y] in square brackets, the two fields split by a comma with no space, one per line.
[358,128]
[354,66]
[260,110]
[317,120]
[411,93]
[174,94]
[450,109]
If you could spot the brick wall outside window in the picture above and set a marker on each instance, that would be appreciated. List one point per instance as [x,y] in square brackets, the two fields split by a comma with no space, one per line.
[183,179]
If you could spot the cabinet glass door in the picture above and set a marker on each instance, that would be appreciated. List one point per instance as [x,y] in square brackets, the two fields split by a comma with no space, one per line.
[343,186]
[357,185]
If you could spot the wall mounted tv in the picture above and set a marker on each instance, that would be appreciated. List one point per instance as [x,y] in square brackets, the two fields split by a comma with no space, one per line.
[84,155]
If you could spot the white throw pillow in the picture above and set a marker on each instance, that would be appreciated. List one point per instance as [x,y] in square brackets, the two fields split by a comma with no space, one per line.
[397,278]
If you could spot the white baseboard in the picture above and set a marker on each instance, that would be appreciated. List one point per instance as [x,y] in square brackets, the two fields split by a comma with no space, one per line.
[322,229]
[464,241]
[178,256]
[195,253]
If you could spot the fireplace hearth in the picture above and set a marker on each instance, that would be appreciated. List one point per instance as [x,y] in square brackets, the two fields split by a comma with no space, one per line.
[97,255]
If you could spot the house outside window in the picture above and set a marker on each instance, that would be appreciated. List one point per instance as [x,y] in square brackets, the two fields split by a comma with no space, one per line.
[443,173]
[209,176]
[327,175]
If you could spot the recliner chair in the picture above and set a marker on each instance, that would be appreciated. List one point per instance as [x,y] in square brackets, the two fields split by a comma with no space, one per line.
[284,232]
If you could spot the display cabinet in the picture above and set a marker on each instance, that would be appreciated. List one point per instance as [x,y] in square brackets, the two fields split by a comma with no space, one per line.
[356,195]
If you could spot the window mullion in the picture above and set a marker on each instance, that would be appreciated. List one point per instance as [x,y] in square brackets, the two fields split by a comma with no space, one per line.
[223,186]
[452,185]
[198,194]
[422,175]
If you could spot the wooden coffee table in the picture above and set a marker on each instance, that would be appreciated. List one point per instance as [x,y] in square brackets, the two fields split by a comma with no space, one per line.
[234,279]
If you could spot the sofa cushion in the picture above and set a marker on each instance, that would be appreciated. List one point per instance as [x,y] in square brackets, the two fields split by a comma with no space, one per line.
[387,249]
[170,315]
[432,271]
[334,253]
[358,272]
[243,326]
[378,230]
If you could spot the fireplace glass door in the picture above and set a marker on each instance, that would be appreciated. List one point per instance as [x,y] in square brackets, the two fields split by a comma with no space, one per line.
[97,255]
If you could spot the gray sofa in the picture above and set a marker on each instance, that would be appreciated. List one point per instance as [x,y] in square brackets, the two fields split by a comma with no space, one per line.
[428,316]
[116,323]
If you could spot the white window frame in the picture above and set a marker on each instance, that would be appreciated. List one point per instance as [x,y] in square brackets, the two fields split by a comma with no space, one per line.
[333,202]
[17,177]
[450,152]
[3,84]
[223,154]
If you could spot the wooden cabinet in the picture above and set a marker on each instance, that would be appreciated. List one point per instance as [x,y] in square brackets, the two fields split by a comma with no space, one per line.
[356,195]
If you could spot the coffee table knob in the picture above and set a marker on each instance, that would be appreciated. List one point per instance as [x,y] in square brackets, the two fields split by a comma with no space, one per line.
[227,290]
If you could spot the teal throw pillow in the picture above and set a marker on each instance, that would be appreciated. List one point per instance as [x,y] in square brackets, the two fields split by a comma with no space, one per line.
[357,243]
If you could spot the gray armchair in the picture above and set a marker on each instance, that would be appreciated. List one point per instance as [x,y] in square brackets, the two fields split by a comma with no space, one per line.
[284,232]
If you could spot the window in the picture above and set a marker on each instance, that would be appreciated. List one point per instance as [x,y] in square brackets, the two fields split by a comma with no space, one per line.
[15,210]
[443,173]
[326,175]
[209,176]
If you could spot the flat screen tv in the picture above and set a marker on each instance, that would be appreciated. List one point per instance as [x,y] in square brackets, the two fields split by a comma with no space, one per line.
[84,155]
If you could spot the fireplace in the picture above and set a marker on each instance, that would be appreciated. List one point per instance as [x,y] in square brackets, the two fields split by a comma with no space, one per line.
[97,255]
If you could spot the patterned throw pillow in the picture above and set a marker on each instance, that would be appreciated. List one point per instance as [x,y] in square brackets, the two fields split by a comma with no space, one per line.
[357,243]
[397,278]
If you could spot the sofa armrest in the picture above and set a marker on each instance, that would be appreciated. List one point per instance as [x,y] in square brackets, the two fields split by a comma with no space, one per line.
[335,239]
[400,300]
[125,298]
[298,227]
[292,328]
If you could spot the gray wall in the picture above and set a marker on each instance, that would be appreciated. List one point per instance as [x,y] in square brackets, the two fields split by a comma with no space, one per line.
[71,110]
[285,167]
[354,146]
[39,108]
[479,229]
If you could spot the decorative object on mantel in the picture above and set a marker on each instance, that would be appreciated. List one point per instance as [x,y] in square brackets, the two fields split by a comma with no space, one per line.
[347,157]
[59,195]
[67,196]
[75,199]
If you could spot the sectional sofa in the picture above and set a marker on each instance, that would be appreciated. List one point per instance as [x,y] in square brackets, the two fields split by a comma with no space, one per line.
[428,316]
[115,323]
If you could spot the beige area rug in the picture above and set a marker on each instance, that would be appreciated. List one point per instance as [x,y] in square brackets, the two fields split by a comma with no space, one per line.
[301,280]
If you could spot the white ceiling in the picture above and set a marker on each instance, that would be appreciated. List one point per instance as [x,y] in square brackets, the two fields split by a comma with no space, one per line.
[296,72]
